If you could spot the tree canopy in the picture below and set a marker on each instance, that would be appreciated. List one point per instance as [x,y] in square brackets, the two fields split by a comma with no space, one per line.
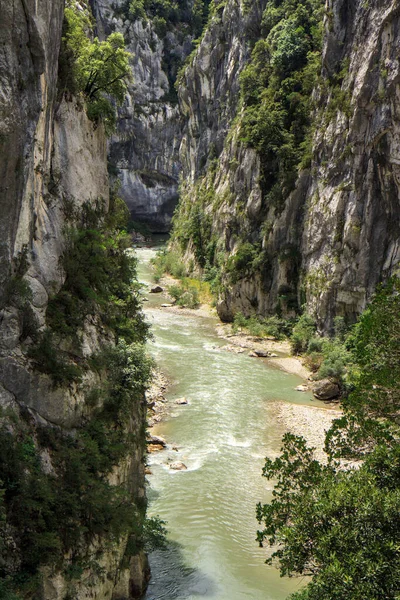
[99,70]
[335,522]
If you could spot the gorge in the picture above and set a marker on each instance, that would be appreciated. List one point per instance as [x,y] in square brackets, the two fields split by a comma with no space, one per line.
[264,135]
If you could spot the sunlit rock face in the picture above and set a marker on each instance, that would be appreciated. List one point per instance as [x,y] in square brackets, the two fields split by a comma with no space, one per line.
[338,233]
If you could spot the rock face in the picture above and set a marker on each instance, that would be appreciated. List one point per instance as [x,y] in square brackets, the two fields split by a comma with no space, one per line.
[51,156]
[145,149]
[351,236]
[338,233]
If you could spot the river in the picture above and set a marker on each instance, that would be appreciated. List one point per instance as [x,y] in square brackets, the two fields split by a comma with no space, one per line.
[222,436]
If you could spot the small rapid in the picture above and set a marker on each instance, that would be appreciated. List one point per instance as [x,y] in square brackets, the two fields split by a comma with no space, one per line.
[222,436]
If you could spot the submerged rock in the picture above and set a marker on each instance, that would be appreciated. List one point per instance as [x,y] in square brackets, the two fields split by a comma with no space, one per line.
[302,388]
[178,466]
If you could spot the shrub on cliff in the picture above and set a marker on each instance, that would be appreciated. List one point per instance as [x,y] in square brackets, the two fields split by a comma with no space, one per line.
[276,89]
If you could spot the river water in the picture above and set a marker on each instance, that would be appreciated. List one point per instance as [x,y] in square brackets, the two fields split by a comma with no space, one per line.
[222,436]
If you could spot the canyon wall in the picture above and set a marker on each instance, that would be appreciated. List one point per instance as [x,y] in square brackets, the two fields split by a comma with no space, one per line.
[144,152]
[336,235]
[53,162]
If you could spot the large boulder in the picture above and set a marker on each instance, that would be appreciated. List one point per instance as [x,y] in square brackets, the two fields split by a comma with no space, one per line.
[326,389]
[157,289]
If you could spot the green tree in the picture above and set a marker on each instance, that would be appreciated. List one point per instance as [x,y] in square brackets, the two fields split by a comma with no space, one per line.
[340,525]
[98,70]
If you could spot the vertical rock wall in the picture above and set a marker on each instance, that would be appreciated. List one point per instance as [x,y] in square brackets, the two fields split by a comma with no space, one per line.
[338,234]
[51,156]
[351,238]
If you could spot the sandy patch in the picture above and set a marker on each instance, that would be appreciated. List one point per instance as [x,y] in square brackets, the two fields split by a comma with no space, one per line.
[310,422]
[281,348]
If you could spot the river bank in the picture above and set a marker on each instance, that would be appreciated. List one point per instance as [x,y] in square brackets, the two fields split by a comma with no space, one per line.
[278,352]
[215,419]
[308,421]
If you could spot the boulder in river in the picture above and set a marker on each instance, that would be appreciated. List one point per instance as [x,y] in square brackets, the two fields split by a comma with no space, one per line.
[262,353]
[181,401]
[157,289]
[326,389]
[156,440]
[302,388]
[178,466]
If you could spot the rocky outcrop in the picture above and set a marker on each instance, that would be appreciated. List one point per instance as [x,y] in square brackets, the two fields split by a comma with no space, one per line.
[338,233]
[326,389]
[144,152]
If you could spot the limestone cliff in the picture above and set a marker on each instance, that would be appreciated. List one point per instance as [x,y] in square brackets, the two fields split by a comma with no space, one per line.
[330,240]
[144,152]
[53,162]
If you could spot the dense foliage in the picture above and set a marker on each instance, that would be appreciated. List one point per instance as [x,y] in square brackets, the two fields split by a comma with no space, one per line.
[338,522]
[61,511]
[274,117]
[97,70]
[189,18]
[276,91]
[99,286]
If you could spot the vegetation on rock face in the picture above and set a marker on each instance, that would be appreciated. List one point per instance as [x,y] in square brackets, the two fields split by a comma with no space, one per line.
[274,118]
[97,70]
[99,288]
[335,523]
[276,91]
[56,497]
[57,505]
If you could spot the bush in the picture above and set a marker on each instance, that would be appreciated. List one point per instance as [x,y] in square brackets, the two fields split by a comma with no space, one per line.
[315,345]
[313,361]
[303,332]
[137,10]
[240,264]
[261,327]
[168,261]
[276,89]
[185,295]
[337,360]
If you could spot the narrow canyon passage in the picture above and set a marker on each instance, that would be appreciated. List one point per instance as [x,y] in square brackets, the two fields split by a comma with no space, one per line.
[222,437]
